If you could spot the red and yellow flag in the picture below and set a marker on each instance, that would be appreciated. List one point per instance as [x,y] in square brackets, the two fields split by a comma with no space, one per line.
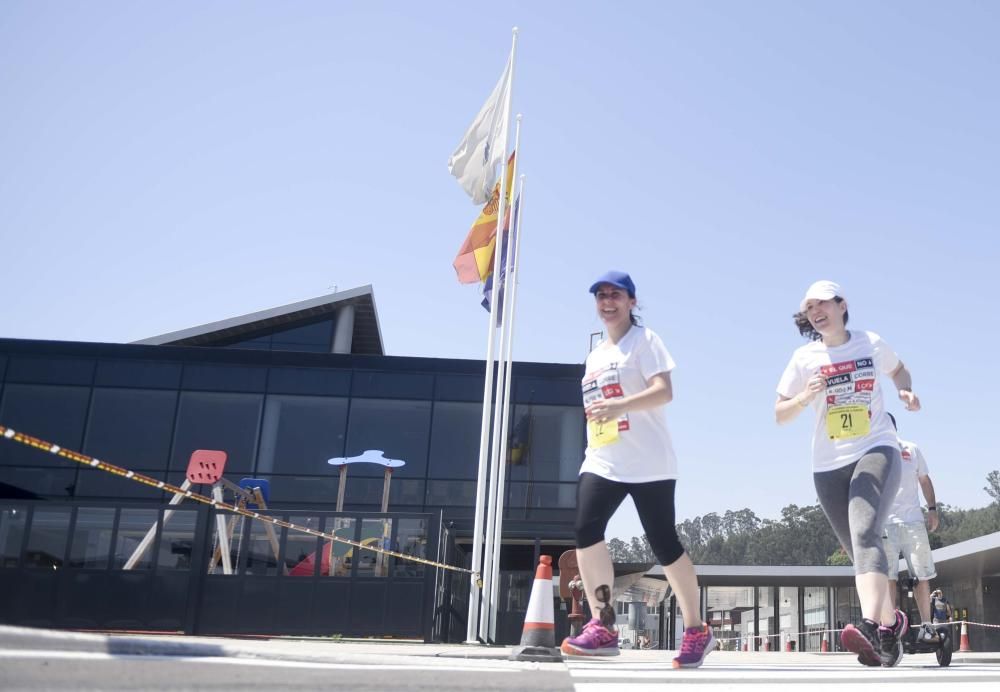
[474,261]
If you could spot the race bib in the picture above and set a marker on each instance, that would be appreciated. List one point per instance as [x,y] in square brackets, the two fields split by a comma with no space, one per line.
[601,434]
[847,422]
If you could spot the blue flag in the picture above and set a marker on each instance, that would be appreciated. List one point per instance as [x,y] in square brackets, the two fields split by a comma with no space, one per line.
[510,234]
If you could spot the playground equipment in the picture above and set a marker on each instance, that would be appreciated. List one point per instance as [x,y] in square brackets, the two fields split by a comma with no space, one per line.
[206,467]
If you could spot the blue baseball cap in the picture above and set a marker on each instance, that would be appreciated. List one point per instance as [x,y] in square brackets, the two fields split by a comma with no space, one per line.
[615,278]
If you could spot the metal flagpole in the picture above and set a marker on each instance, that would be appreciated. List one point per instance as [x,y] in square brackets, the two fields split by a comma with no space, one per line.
[510,306]
[472,632]
[496,488]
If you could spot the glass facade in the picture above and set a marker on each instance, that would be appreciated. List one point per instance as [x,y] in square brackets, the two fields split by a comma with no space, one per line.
[281,416]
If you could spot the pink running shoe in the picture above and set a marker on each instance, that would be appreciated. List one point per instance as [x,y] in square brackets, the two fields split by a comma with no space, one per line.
[594,640]
[697,644]
[863,641]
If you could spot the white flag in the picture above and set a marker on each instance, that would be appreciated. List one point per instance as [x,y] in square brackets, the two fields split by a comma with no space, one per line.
[482,148]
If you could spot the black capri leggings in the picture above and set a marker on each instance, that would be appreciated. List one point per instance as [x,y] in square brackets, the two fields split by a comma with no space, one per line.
[597,499]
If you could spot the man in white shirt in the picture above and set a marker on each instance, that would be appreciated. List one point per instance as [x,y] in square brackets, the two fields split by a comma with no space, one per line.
[906,532]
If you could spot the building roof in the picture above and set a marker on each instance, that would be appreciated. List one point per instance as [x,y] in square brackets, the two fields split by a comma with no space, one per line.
[367,338]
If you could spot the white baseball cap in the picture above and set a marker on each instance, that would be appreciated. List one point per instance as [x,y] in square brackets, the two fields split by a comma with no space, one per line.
[821,290]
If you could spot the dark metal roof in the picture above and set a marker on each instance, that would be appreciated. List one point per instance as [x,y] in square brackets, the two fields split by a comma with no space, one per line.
[367,338]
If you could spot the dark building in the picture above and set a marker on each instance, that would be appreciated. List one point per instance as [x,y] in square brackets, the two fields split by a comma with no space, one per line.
[281,392]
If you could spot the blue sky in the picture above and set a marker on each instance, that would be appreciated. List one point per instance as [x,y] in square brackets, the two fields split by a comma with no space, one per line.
[163,165]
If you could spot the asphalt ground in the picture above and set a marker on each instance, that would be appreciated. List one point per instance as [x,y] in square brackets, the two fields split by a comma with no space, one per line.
[34,659]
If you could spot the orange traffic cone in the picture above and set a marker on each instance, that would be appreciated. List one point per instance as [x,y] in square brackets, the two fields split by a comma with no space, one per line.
[963,642]
[538,637]
[767,643]
[825,645]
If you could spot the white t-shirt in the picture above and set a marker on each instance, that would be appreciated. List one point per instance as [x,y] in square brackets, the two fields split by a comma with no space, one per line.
[643,451]
[850,418]
[906,507]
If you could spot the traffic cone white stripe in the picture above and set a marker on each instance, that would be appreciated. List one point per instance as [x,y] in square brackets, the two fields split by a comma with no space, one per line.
[538,636]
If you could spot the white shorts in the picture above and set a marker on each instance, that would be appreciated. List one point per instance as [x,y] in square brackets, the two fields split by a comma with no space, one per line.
[911,540]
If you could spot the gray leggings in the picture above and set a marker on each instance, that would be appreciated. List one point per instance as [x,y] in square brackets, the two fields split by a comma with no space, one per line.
[856,499]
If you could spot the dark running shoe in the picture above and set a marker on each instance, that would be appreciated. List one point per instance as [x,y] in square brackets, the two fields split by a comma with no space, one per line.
[864,641]
[891,640]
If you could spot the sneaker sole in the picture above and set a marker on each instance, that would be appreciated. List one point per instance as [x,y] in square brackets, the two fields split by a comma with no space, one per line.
[709,648]
[855,642]
[571,650]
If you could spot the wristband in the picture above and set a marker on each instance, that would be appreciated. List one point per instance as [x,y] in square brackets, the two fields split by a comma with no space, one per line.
[932,508]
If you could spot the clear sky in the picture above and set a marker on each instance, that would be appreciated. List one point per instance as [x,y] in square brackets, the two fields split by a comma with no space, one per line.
[163,165]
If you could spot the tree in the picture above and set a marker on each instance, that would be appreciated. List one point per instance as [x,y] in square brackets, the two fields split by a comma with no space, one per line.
[619,550]
[839,558]
[993,486]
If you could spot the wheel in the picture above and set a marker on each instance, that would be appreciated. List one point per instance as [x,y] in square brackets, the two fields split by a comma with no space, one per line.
[943,654]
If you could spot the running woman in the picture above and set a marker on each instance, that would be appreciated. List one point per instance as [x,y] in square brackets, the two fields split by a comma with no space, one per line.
[629,452]
[856,458]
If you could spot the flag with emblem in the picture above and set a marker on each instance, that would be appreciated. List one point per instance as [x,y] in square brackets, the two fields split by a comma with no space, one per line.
[475,160]
[474,261]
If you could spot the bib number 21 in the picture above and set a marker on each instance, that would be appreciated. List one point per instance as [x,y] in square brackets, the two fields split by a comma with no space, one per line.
[847,422]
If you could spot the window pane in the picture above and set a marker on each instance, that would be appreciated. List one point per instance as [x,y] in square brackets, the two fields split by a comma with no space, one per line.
[235,525]
[177,541]
[816,616]
[55,369]
[47,539]
[300,433]
[455,434]
[730,614]
[227,378]
[789,615]
[54,414]
[228,422]
[542,495]
[131,427]
[392,384]
[91,546]
[132,528]
[546,443]
[12,519]
[366,494]
[138,373]
[34,483]
[400,429]
[378,534]
[339,555]
[314,338]
[262,549]
[451,494]
[411,539]
[91,483]
[302,551]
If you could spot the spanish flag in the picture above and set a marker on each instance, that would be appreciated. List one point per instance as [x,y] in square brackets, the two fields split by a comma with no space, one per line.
[474,261]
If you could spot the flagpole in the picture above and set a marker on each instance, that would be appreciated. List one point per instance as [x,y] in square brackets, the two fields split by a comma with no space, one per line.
[510,307]
[493,520]
[478,567]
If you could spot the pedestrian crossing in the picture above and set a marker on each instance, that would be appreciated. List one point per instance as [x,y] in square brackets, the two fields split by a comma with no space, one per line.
[645,671]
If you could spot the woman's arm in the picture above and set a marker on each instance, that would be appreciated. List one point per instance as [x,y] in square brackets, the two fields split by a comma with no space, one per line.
[788,409]
[904,383]
[659,392]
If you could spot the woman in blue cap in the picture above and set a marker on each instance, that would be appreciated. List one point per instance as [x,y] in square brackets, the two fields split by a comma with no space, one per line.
[629,452]
[856,459]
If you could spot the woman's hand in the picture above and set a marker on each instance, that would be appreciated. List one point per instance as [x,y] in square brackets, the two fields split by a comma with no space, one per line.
[815,385]
[910,400]
[604,410]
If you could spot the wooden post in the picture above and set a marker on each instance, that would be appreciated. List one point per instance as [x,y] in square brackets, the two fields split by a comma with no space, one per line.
[341,487]
[147,540]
